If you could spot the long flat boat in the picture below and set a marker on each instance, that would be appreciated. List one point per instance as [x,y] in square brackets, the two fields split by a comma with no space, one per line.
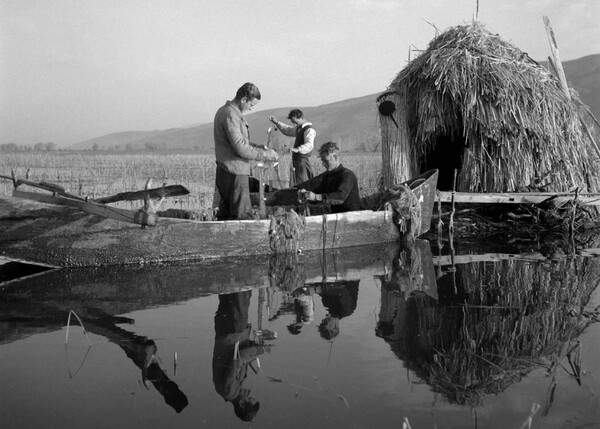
[60,229]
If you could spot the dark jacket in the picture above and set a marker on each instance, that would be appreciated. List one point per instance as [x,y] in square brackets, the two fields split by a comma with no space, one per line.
[339,188]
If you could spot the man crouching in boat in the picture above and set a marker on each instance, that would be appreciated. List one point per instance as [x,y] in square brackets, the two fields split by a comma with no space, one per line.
[234,151]
[337,186]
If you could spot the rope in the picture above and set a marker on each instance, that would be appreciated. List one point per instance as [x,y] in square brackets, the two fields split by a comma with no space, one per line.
[285,231]
[406,209]
[284,272]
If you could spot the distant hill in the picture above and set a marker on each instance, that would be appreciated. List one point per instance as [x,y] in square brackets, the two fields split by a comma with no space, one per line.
[583,75]
[353,123]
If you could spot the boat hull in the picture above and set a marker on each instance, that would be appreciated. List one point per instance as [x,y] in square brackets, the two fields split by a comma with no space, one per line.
[65,236]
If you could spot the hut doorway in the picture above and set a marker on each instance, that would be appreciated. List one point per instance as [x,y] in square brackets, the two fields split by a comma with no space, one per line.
[446,156]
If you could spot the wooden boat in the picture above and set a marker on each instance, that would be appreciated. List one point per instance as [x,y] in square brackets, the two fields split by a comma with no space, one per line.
[65,230]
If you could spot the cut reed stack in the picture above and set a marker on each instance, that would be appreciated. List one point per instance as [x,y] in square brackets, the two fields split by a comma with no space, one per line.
[475,102]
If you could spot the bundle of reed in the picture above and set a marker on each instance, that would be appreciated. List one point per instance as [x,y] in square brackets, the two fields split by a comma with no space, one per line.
[524,219]
[506,115]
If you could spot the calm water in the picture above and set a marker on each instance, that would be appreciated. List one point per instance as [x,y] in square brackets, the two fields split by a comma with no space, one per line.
[362,338]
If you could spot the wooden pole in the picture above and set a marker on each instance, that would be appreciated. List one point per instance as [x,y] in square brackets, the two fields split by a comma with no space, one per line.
[262,210]
[554,48]
[440,223]
[552,66]
[138,217]
[451,222]
[573,214]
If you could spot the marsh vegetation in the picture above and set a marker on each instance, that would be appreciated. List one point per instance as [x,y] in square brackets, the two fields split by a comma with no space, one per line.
[96,174]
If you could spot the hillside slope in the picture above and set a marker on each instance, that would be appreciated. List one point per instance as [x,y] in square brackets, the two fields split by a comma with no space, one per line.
[583,75]
[353,123]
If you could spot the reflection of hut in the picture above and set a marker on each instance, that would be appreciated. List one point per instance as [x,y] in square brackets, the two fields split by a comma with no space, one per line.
[475,103]
[517,315]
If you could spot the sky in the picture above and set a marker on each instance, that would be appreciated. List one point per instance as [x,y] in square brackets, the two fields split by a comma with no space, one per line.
[72,70]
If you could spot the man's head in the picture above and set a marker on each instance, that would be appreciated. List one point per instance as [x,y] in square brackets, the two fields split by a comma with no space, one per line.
[329,154]
[296,117]
[247,96]
[329,328]
[246,409]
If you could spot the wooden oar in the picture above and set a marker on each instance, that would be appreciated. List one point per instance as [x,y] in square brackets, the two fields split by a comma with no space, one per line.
[139,217]
[52,187]
[155,194]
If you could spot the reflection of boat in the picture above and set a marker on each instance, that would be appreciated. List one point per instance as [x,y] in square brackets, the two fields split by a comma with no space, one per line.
[66,236]
[101,295]
[119,290]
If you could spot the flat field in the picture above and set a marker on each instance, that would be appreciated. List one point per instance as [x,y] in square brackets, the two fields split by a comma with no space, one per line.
[97,174]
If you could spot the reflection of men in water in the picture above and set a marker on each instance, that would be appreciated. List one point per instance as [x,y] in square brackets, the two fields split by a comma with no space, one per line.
[142,352]
[156,375]
[304,307]
[340,299]
[230,363]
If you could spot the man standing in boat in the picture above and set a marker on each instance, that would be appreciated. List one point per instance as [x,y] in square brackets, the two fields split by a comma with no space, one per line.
[337,186]
[305,134]
[234,151]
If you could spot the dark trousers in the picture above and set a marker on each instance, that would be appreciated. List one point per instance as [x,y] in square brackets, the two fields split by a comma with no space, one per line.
[234,196]
[302,170]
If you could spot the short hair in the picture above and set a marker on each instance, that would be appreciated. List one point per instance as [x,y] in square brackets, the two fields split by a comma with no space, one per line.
[245,410]
[329,147]
[295,113]
[248,90]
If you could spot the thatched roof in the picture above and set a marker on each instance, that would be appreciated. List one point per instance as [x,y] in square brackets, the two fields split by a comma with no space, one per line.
[517,124]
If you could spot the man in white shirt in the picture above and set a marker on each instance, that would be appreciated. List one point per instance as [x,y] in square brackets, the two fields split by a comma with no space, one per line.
[305,135]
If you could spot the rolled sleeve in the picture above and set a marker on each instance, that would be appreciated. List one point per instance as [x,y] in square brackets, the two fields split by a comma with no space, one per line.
[288,130]
[309,141]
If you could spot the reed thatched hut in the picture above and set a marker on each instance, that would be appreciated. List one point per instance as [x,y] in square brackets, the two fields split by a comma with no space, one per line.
[475,103]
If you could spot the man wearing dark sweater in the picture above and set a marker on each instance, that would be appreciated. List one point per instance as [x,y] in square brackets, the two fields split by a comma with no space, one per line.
[337,186]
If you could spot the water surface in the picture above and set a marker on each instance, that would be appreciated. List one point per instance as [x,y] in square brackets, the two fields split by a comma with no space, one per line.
[359,338]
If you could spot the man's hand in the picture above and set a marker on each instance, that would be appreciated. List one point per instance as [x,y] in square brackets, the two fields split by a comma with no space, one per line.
[273,119]
[310,196]
[270,155]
